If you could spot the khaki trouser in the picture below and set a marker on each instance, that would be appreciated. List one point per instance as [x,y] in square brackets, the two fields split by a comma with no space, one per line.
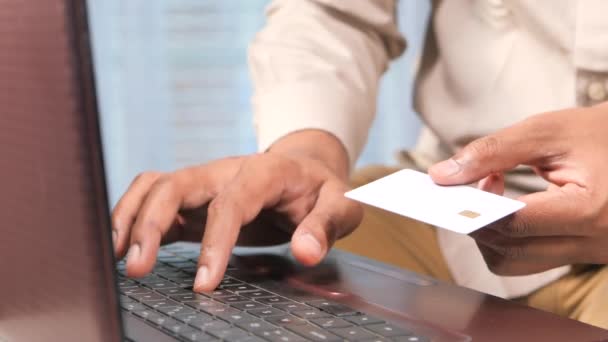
[581,294]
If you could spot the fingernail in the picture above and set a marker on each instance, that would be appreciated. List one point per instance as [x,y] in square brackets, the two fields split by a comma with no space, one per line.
[202,277]
[447,168]
[311,244]
[134,252]
[114,237]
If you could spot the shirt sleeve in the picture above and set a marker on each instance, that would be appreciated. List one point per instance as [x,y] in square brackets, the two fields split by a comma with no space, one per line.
[317,65]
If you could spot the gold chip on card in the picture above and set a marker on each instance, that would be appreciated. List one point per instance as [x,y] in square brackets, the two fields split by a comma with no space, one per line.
[470,214]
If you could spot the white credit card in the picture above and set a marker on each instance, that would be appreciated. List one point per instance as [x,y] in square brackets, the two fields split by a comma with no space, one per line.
[462,209]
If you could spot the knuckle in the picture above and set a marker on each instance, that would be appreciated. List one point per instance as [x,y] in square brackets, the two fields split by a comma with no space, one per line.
[513,252]
[485,147]
[145,176]
[116,219]
[166,185]
[224,205]
[216,207]
[151,224]
[517,229]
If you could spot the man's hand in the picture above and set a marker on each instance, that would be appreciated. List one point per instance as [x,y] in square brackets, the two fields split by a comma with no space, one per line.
[216,200]
[567,223]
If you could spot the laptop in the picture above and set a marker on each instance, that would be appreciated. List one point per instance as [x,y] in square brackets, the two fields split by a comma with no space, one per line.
[59,280]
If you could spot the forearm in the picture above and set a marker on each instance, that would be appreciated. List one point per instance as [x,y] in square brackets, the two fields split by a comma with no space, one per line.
[316,144]
[315,68]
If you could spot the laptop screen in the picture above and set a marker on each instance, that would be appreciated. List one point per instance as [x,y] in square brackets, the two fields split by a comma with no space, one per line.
[55,250]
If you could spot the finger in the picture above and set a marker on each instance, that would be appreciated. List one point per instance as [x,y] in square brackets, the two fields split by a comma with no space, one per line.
[528,142]
[502,266]
[566,211]
[494,183]
[546,249]
[333,216]
[156,216]
[126,209]
[257,185]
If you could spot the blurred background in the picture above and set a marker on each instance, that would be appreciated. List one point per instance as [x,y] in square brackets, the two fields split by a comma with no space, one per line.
[174,88]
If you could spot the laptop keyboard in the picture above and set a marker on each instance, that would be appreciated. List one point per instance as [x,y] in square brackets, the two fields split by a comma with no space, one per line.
[241,311]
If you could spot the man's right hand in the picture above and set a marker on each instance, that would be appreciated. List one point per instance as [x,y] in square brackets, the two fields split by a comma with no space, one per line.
[214,201]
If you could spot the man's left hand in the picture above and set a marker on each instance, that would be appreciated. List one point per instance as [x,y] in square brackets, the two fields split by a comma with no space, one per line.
[565,224]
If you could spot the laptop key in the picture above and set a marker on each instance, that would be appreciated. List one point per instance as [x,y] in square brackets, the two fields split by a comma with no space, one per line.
[173,291]
[331,323]
[127,283]
[235,317]
[230,281]
[150,279]
[272,300]
[363,320]
[267,312]
[176,310]
[161,303]
[196,336]
[161,285]
[204,304]
[175,326]
[292,307]
[185,283]
[256,325]
[125,299]
[232,333]
[148,315]
[159,320]
[132,306]
[135,290]
[333,308]
[223,310]
[191,317]
[221,293]
[353,334]
[284,320]
[313,333]
[256,294]
[239,287]
[311,314]
[249,306]
[279,335]
[233,299]
[388,330]
[143,297]
[187,297]
[215,324]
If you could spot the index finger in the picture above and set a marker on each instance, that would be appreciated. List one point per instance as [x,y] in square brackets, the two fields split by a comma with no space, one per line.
[252,189]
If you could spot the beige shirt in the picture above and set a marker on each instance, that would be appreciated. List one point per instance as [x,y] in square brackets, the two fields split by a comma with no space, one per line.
[486,64]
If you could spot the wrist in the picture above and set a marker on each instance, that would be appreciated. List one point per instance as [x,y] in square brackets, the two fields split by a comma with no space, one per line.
[318,145]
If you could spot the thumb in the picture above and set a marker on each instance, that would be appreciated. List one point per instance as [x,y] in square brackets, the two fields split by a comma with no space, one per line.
[477,160]
[528,142]
[332,217]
